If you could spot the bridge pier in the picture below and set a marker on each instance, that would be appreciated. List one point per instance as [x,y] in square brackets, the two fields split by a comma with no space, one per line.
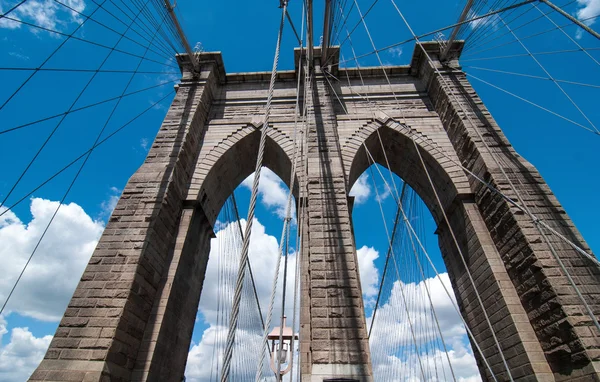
[132,314]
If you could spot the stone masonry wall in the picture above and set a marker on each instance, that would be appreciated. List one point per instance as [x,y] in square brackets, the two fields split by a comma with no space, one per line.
[570,341]
[102,332]
[132,315]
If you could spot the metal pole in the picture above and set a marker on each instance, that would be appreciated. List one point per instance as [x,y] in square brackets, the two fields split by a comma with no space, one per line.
[309,32]
[186,44]
[326,37]
[463,17]
[573,19]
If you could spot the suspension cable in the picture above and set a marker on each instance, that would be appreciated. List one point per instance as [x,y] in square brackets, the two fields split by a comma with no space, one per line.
[549,75]
[285,233]
[89,151]
[85,107]
[251,209]
[81,92]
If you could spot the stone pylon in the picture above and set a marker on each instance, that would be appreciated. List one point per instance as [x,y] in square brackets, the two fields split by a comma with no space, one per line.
[132,315]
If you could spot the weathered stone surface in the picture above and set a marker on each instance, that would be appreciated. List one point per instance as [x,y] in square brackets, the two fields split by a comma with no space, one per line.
[132,315]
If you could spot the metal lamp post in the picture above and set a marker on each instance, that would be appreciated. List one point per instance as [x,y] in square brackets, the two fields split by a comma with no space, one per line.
[281,349]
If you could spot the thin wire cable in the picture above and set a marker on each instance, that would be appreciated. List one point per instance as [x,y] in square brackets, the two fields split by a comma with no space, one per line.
[553,251]
[86,107]
[73,10]
[69,36]
[246,243]
[81,92]
[416,237]
[527,37]
[64,168]
[532,76]
[412,39]
[532,103]
[159,44]
[400,282]
[550,76]
[526,55]
[488,185]
[43,234]
[87,41]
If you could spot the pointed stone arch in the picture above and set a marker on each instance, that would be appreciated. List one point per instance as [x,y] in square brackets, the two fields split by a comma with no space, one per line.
[396,140]
[233,159]
[499,296]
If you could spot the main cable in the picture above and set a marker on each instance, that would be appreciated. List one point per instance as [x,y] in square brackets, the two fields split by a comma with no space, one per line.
[251,209]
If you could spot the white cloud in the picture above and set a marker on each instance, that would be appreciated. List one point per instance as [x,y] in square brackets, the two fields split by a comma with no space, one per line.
[144,144]
[493,20]
[45,13]
[17,54]
[21,355]
[361,189]
[396,51]
[369,275]
[215,302]
[273,192]
[392,342]
[590,8]
[108,206]
[6,23]
[48,283]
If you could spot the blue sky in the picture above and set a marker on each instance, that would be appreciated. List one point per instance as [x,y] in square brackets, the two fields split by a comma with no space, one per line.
[245,33]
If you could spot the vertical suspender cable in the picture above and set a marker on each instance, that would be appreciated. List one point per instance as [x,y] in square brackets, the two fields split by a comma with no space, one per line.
[246,241]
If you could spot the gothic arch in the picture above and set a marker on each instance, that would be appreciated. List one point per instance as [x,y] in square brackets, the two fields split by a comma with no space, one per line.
[483,260]
[233,159]
[449,179]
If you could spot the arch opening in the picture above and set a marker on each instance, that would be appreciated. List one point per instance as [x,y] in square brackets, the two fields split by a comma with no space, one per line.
[226,183]
[463,238]
[237,161]
[412,300]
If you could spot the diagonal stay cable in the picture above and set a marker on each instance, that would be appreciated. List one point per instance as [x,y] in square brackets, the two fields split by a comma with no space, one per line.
[85,41]
[528,37]
[69,36]
[41,148]
[162,54]
[424,250]
[251,209]
[67,166]
[566,34]
[410,320]
[477,294]
[361,21]
[532,76]
[522,25]
[412,39]
[86,107]
[16,68]
[139,22]
[387,260]
[526,55]
[494,190]
[487,27]
[550,76]
[159,44]
[12,9]
[64,168]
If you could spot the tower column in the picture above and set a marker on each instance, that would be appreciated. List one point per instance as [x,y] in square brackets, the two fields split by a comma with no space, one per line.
[561,323]
[334,340]
[131,297]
